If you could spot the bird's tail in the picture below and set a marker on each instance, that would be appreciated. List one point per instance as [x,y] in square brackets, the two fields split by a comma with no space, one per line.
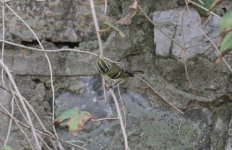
[137,72]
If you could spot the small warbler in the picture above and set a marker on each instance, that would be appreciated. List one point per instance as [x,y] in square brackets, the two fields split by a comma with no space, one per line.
[113,71]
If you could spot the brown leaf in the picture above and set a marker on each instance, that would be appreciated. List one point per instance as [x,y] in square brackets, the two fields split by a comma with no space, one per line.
[128,18]
[134,5]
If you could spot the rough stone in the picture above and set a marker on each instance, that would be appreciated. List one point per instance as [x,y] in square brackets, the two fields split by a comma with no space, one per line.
[5,101]
[163,46]
[27,62]
[186,29]
[147,126]
[59,20]
[229,139]
[220,132]
[151,122]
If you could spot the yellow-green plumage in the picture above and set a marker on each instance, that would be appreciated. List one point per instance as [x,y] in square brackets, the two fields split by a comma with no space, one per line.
[112,70]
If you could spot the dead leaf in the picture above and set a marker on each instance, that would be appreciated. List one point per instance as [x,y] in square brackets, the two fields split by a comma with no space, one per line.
[74,119]
[128,18]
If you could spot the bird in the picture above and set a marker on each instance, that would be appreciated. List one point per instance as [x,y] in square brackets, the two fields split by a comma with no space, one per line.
[113,71]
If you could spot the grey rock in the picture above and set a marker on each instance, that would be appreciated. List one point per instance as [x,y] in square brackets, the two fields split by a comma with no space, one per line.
[229,139]
[186,29]
[220,134]
[89,100]
[36,94]
[168,78]
[151,122]
[27,62]
[59,20]
[147,126]
[34,90]
[163,44]
[5,101]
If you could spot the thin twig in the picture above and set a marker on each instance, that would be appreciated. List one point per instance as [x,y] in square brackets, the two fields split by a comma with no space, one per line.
[10,123]
[96,28]
[105,6]
[45,132]
[23,132]
[202,7]
[178,132]
[218,51]
[44,143]
[3,38]
[158,27]
[33,112]
[38,131]
[123,105]
[22,103]
[21,111]
[101,56]
[156,92]
[111,91]
[104,88]
[168,36]
[203,32]
[30,107]
[120,119]
[50,69]
[185,50]
[25,118]
[56,50]
[103,119]
[36,116]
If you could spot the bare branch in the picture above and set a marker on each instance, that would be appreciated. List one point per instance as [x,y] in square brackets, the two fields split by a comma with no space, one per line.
[120,119]
[3,37]
[123,106]
[156,92]
[55,50]
[96,28]
[10,123]
[19,124]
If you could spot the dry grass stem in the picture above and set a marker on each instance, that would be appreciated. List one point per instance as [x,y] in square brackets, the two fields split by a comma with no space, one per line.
[157,26]
[10,123]
[5,112]
[104,88]
[106,2]
[3,38]
[123,106]
[120,119]
[103,119]
[56,50]
[211,12]
[111,91]
[156,92]
[96,28]
[19,124]
[38,146]
[185,50]
[203,32]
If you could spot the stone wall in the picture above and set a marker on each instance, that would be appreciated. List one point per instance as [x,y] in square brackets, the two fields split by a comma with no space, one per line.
[203,92]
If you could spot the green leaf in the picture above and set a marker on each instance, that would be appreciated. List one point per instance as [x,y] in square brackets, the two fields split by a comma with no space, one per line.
[115,28]
[66,115]
[74,119]
[7,147]
[208,4]
[77,122]
[226,22]
[226,45]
